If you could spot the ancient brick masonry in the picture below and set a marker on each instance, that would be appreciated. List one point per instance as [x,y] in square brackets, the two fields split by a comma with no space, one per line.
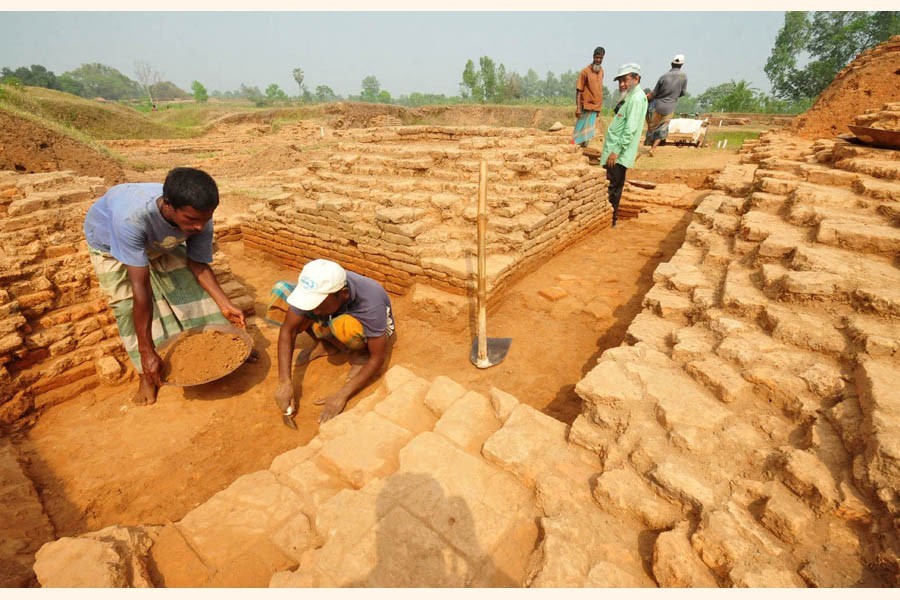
[745,434]
[58,336]
[759,390]
[400,204]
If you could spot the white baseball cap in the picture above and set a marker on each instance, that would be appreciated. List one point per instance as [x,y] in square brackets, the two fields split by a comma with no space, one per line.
[679,59]
[318,278]
[628,68]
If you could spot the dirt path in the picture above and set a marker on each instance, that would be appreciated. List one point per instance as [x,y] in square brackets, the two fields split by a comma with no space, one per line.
[98,460]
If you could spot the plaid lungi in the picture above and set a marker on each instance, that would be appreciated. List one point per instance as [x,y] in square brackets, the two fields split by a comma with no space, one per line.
[179,303]
[657,127]
[277,307]
[585,127]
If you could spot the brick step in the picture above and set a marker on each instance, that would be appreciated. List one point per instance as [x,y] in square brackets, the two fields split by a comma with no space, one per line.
[438,154]
[442,133]
[876,167]
[37,182]
[523,190]
[51,199]
[843,150]
[862,235]
[504,170]
[879,189]
[808,206]
[24,229]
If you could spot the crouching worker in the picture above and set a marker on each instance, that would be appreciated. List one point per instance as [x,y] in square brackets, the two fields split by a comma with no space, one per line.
[342,311]
[151,247]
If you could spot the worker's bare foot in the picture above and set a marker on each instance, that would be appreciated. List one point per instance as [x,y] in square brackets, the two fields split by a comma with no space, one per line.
[145,394]
[318,351]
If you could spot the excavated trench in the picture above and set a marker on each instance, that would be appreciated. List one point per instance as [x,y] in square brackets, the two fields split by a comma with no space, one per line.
[720,370]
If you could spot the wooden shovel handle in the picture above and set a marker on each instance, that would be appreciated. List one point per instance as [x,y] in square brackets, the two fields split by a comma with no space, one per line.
[482,266]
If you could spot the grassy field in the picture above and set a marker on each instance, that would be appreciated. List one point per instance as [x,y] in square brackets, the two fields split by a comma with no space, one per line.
[733,137]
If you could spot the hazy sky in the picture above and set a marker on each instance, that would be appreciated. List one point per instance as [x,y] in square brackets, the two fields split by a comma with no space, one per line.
[406,51]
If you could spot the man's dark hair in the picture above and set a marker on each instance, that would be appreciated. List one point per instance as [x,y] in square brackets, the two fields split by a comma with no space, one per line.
[599,50]
[185,186]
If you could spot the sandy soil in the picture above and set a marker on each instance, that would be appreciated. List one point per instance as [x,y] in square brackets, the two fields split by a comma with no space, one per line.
[28,147]
[99,460]
[201,357]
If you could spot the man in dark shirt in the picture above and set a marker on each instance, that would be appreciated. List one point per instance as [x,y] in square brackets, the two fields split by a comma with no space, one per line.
[340,310]
[670,87]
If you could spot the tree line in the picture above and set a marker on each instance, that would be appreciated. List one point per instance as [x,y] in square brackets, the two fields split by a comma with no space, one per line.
[824,42]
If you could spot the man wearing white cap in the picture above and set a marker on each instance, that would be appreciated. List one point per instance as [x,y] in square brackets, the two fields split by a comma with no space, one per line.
[624,132]
[341,311]
[670,87]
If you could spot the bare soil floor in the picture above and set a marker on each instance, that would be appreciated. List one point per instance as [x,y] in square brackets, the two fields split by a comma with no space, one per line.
[99,460]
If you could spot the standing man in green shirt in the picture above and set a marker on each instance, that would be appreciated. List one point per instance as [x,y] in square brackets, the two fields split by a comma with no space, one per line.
[620,145]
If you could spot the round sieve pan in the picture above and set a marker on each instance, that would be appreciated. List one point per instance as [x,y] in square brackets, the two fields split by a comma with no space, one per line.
[882,138]
[166,348]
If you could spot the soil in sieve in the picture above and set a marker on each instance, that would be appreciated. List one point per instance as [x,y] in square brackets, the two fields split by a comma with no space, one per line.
[203,356]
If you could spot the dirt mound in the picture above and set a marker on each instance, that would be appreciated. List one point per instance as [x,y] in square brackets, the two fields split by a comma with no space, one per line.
[27,147]
[870,81]
[99,120]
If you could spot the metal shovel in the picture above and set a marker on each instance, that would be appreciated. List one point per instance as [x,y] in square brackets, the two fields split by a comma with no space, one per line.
[486,352]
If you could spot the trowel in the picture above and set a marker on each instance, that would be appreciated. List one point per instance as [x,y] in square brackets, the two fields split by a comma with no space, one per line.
[288,420]
[486,352]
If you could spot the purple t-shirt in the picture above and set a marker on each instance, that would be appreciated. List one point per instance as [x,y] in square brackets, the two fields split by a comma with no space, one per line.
[368,303]
[126,223]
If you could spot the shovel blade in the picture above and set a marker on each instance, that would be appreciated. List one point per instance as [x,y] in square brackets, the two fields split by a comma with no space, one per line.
[496,352]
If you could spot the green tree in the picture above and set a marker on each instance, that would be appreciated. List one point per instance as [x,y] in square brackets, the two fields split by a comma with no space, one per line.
[199,90]
[501,91]
[325,94]
[37,76]
[567,82]
[514,87]
[70,85]
[420,99]
[251,93]
[166,90]
[489,81]
[531,85]
[828,40]
[370,89]
[305,95]
[273,92]
[471,83]
[550,87]
[686,105]
[730,97]
[42,77]
[103,81]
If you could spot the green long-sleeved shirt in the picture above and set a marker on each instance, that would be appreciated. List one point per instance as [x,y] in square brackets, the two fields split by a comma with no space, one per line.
[624,133]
